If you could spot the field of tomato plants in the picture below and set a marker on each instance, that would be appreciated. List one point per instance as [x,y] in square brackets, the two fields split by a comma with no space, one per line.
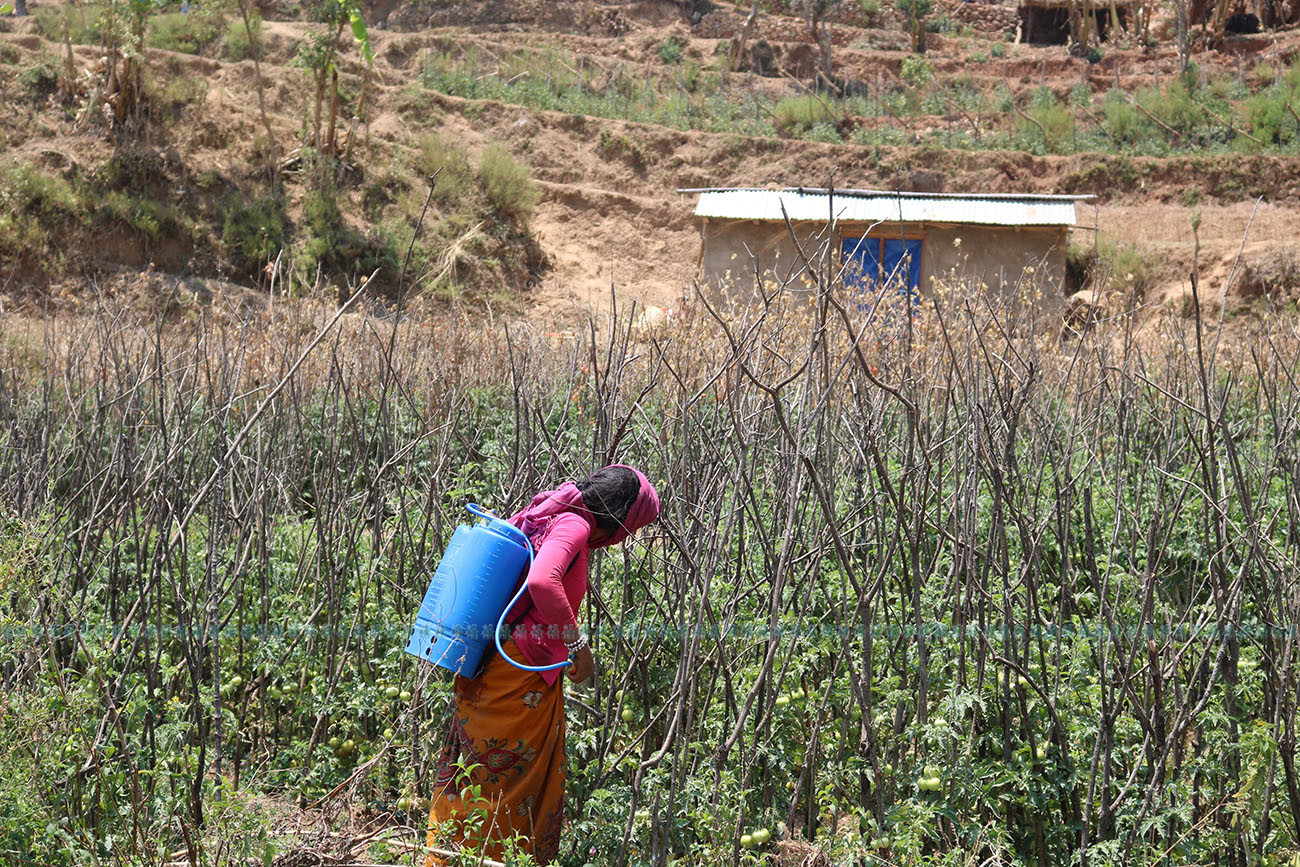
[946,593]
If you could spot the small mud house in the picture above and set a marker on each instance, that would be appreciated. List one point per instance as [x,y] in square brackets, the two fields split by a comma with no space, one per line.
[1006,242]
[1048,21]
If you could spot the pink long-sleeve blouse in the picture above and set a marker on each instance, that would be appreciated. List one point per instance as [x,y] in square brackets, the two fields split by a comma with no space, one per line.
[557,583]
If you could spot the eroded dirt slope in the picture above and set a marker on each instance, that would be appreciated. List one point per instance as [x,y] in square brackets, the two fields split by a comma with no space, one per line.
[611,216]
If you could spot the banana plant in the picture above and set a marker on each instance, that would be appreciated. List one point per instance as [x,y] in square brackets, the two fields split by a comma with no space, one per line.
[318,54]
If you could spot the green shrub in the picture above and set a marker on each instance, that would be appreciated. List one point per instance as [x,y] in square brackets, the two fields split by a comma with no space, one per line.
[1094,55]
[40,79]
[1268,119]
[979,57]
[32,206]
[941,23]
[824,132]
[436,153]
[1108,264]
[917,70]
[183,90]
[183,32]
[85,23]
[253,231]
[1051,121]
[25,189]
[796,115]
[1122,265]
[621,146]
[148,217]
[1174,105]
[869,9]
[329,245]
[1003,99]
[382,251]
[329,248]
[1123,122]
[670,50]
[507,184]
[998,49]
[235,44]
[691,76]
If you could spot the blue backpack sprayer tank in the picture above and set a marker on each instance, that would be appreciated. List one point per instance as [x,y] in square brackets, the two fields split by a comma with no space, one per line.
[466,603]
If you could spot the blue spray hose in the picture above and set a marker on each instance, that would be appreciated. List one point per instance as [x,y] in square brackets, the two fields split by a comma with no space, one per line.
[511,604]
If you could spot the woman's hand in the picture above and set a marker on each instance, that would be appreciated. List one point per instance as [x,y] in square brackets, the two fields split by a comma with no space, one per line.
[583,665]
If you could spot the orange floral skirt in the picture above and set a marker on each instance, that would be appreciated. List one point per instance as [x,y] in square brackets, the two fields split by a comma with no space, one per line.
[507,728]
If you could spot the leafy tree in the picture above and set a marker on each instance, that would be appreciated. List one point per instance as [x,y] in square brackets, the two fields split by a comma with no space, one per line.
[317,55]
[915,10]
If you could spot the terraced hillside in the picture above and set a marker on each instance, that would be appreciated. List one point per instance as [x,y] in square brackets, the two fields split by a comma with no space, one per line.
[612,107]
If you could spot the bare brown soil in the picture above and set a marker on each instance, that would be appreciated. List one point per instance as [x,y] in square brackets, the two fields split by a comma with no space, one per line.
[611,223]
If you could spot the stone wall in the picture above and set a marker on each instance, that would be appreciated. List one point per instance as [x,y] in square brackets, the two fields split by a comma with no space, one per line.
[725,24]
[985,17]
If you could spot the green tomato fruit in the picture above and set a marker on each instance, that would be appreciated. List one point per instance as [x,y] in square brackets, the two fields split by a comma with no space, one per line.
[746,841]
[931,771]
[1041,752]
[403,804]
[782,700]
[404,696]
[334,743]
[930,784]
[789,785]
[392,692]
[628,715]
[1022,682]
[761,836]
[236,682]
[389,734]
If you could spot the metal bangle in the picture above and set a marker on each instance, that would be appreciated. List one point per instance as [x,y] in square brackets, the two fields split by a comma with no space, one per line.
[576,645]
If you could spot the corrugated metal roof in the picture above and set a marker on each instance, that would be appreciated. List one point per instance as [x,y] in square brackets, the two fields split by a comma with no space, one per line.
[870,206]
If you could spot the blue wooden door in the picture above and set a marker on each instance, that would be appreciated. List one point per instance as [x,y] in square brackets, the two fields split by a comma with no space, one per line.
[861,260]
[870,263]
[901,266]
